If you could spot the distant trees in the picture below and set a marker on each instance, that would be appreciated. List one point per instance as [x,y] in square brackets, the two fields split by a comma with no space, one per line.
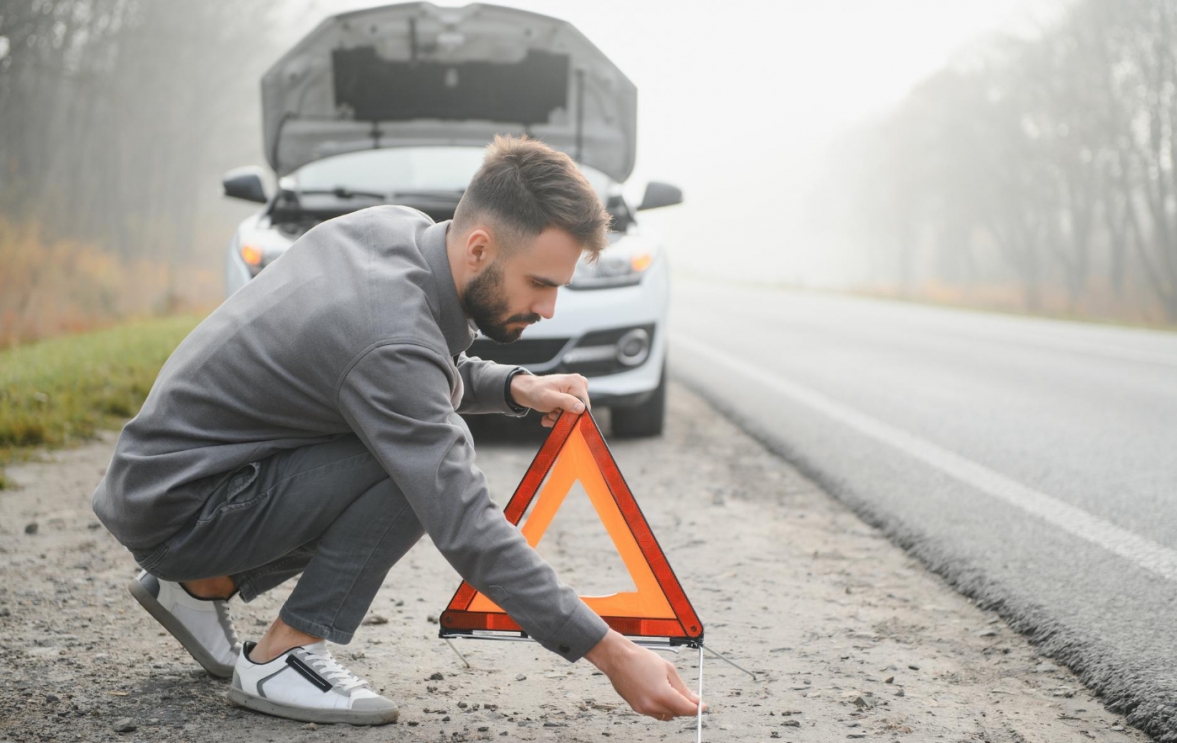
[1047,162]
[117,118]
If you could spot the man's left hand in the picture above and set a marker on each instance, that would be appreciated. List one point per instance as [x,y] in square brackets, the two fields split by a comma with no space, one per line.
[551,394]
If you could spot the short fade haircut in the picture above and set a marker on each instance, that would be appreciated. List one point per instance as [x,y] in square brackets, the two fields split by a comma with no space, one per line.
[525,187]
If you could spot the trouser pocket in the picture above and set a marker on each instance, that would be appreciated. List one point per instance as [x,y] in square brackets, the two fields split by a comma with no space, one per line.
[238,491]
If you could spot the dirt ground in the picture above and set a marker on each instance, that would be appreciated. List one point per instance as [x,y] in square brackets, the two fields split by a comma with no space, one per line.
[849,637]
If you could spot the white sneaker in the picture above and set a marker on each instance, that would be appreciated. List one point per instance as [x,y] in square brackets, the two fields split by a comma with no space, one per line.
[203,626]
[305,683]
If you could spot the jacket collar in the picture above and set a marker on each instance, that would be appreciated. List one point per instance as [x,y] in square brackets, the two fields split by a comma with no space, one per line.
[452,317]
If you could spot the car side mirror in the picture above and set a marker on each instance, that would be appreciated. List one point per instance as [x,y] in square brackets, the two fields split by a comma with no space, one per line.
[660,194]
[245,183]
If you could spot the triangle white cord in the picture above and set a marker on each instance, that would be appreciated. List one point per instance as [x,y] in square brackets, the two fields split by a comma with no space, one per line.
[699,713]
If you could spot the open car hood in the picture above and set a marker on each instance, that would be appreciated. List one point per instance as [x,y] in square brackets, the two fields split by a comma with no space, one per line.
[417,74]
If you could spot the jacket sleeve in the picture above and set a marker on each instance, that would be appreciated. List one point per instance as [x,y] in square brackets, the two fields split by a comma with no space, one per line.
[395,397]
[484,386]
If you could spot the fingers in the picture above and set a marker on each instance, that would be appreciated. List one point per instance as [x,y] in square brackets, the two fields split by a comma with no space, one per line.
[679,705]
[674,700]
[678,685]
[578,388]
[570,403]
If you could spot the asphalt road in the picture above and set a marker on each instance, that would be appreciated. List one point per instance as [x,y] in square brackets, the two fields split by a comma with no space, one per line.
[1033,463]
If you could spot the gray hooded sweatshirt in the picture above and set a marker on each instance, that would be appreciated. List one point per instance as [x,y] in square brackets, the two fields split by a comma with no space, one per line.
[357,328]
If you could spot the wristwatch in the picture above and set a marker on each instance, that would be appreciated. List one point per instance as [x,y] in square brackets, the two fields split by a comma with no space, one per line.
[514,406]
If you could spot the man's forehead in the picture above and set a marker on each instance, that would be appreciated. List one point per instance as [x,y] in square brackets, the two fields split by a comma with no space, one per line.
[552,254]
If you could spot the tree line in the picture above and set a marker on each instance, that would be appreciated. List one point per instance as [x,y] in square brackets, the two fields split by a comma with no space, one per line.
[1043,162]
[117,119]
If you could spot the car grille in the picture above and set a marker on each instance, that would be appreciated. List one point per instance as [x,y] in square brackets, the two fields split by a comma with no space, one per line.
[525,352]
[543,352]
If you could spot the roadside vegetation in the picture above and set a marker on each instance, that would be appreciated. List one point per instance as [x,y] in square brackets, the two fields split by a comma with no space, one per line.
[61,391]
[1036,171]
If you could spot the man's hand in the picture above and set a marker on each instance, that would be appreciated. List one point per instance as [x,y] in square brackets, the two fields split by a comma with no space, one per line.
[650,684]
[551,394]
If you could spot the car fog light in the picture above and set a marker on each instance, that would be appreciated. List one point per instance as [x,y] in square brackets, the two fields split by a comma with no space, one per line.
[634,347]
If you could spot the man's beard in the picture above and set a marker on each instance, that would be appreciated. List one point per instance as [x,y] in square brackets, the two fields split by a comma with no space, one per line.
[484,302]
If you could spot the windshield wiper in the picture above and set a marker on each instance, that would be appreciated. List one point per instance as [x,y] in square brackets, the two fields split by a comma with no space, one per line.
[342,192]
[436,193]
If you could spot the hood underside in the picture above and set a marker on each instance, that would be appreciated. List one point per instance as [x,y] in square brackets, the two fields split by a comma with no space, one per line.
[416,74]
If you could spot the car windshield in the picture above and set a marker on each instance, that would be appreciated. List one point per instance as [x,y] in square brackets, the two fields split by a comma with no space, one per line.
[405,170]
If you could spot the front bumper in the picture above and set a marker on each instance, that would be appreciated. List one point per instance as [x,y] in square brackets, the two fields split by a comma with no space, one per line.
[587,324]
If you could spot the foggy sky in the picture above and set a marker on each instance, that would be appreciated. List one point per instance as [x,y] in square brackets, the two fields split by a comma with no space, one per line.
[737,106]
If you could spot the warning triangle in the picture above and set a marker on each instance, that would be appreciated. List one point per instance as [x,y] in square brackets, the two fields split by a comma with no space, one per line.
[575,451]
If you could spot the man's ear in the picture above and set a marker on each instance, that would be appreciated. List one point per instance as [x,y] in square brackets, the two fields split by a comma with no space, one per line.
[480,249]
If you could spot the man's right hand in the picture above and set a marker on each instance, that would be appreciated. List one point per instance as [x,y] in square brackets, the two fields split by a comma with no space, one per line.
[650,684]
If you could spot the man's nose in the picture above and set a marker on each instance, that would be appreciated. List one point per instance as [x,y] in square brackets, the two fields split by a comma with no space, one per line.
[545,308]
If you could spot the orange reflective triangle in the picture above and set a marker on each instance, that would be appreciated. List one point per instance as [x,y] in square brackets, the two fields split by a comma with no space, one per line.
[575,451]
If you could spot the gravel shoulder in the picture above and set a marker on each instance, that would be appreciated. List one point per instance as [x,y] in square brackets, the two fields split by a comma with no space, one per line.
[849,637]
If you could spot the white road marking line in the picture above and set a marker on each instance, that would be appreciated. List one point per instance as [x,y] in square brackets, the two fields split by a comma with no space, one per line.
[1075,521]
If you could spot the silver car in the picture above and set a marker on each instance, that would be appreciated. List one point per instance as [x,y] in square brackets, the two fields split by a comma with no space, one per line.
[396,104]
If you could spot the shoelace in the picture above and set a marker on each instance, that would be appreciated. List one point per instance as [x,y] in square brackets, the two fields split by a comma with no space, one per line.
[330,669]
[226,620]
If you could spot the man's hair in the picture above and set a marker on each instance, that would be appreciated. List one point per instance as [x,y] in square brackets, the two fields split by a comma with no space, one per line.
[524,187]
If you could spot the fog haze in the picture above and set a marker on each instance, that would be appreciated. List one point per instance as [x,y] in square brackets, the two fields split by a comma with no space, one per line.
[1005,153]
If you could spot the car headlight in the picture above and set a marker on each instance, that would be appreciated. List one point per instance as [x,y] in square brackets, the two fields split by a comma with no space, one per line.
[253,257]
[624,269]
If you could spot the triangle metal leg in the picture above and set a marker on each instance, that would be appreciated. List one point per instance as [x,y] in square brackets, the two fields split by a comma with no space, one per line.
[459,652]
[731,662]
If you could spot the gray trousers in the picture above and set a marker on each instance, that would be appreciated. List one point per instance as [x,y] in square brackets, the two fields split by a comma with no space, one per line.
[328,511]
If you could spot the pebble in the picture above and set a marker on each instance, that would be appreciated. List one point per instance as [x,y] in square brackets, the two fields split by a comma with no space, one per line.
[52,698]
[521,677]
[31,527]
[914,667]
[431,619]
[900,693]
[125,725]
[987,633]
[435,676]
[310,726]
[792,723]
[375,619]
[890,680]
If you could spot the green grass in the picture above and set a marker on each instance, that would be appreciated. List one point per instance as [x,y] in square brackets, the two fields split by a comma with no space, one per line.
[60,392]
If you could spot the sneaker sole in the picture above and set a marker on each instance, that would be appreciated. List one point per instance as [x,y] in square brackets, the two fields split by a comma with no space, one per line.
[306,714]
[179,631]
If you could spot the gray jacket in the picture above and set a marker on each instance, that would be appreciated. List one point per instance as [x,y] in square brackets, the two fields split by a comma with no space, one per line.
[356,328]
